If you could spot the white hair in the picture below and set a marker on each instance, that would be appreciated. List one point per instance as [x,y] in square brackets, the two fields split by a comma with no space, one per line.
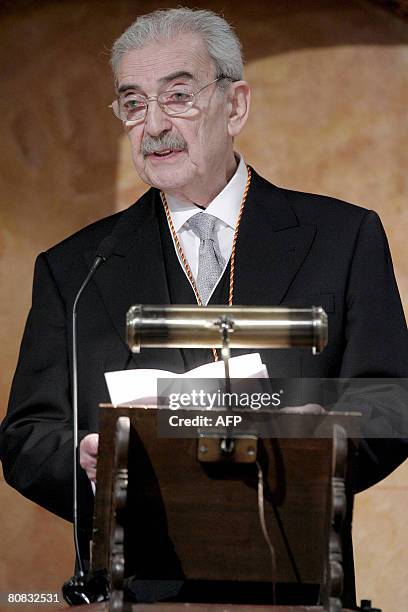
[223,45]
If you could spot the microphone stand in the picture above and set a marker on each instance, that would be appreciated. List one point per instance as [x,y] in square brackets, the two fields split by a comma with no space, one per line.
[84,588]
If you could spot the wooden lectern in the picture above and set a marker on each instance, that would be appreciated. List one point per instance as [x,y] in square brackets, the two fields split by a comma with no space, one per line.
[221,518]
[260,525]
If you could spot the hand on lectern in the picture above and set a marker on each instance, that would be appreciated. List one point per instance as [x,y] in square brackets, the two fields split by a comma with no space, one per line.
[88,454]
[305,409]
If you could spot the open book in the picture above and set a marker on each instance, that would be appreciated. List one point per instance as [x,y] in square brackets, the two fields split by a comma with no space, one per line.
[140,386]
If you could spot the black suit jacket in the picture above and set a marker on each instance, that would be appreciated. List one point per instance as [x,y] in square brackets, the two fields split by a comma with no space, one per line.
[293,248]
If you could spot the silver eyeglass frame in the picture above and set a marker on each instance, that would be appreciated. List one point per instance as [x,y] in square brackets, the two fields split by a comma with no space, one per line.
[128,123]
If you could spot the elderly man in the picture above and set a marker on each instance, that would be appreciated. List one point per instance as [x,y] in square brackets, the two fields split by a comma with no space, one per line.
[209,231]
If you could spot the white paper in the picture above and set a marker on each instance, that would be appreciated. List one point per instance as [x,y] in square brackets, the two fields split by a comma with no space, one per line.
[140,386]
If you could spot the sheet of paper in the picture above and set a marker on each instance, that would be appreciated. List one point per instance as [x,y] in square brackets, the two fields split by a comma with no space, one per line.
[140,386]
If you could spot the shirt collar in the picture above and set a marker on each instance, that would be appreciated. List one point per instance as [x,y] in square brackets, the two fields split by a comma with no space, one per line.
[225,205]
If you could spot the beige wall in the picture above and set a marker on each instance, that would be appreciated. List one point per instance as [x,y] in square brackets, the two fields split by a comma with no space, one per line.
[329,115]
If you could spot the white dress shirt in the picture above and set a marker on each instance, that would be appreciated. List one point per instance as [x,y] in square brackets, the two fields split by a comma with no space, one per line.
[225,207]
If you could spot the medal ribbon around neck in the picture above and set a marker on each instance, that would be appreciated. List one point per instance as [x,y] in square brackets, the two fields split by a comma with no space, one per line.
[232,259]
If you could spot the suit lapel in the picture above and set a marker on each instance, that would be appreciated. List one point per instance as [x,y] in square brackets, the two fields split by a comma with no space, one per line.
[271,246]
[135,273]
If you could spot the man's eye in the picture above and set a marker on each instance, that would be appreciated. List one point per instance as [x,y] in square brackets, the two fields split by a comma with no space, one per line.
[178,96]
[133,104]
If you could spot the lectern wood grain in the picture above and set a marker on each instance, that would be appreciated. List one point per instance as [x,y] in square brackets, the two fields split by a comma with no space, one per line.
[210,512]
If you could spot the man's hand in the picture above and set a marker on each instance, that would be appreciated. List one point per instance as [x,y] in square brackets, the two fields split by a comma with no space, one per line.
[299,427]
[88,454]
[305,409]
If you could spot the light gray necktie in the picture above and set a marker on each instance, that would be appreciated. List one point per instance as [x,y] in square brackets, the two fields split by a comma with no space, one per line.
[210,261]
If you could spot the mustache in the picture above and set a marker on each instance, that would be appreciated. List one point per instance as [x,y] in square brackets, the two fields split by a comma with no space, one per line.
[154,144]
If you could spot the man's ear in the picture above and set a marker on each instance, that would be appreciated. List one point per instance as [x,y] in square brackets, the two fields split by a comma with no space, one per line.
[239,99]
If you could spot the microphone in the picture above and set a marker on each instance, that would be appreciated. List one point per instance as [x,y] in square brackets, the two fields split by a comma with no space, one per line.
[103,252]
[81,588]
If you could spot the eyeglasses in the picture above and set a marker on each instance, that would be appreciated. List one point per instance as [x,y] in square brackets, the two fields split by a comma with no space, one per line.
[132,108]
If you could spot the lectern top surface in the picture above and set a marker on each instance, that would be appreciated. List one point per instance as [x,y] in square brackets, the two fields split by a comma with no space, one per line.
[186,607]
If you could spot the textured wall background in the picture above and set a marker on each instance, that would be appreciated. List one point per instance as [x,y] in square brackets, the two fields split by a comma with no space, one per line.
[329,116]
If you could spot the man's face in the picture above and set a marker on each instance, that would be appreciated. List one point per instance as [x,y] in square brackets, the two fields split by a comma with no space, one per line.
[202,142]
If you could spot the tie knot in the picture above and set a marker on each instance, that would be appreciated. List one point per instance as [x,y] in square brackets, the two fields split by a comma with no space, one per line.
[203,224]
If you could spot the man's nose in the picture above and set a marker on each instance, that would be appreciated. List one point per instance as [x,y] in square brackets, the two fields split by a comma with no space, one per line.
[156,121]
